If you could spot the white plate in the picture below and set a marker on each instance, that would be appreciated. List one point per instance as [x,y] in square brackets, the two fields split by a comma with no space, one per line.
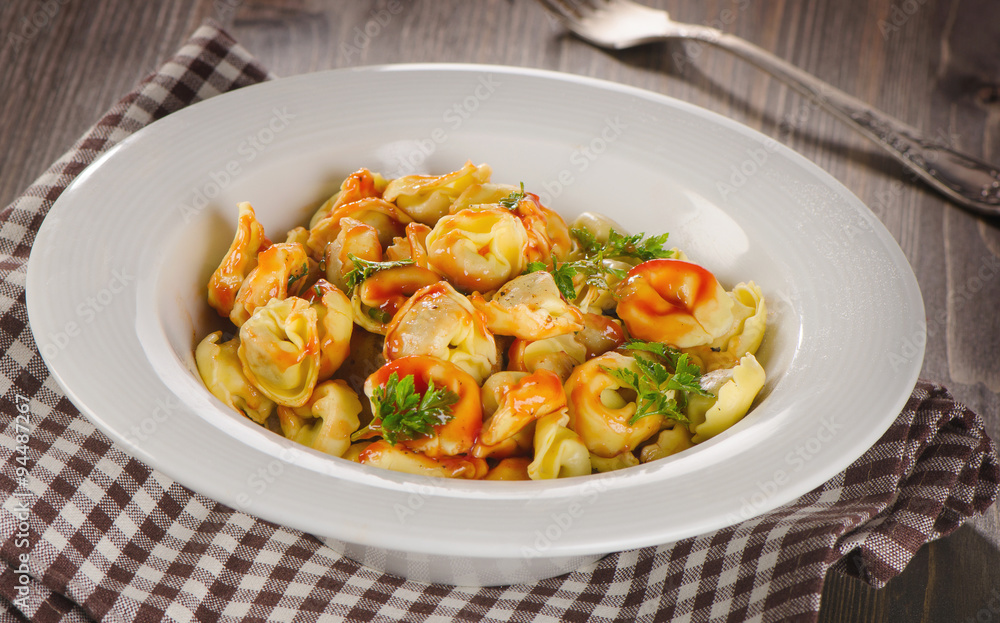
[117,277]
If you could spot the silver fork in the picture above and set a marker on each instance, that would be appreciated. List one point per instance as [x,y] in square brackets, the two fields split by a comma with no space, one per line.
[620,24]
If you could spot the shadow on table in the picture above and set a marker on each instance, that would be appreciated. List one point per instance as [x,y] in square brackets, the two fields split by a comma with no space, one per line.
[934,587]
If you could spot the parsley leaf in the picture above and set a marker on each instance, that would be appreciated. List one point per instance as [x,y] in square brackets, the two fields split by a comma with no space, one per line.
[364,269]
[654,380]
[296,276]
[405,414]
[622,246]
[510,201]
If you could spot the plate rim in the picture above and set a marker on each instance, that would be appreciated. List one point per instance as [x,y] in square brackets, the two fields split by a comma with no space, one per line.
[800,161]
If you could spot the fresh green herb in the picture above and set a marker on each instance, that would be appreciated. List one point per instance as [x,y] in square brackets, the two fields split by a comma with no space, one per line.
[595,273]
[510,201]
[295,277]
[405,414]
[364,269]
[621,246]
[379,315]
[562,274]
[654,380]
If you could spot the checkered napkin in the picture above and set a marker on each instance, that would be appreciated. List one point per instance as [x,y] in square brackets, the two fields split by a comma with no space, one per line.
[89,533]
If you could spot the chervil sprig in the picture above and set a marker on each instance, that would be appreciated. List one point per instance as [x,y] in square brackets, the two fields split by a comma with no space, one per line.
[295,277]
[621,246]
[403,413]
[654,380]
[510,201]
[364,269]
[595,272]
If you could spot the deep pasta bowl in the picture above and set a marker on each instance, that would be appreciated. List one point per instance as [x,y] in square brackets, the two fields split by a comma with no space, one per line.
[157,212]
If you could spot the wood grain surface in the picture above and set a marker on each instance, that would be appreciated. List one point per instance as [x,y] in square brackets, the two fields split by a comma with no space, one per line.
[933,63]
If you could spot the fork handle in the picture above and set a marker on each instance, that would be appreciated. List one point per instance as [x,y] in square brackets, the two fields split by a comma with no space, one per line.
[968,181]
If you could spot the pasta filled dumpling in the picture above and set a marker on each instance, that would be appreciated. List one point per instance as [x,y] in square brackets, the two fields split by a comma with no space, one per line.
[358,185]
[326,421]
[735,389]
[560,355]
[385,218]
[478,249]
[400,459]
[601,408]
[283,270]
[459,430]
[674,302]
[521,403]
[439,322]
[355,238]
[559,452]
[238,261]
[669,441]
[279,350]
[380,296]
[745,335]
[529,307]
[222,372]
[426,198]
[335,323]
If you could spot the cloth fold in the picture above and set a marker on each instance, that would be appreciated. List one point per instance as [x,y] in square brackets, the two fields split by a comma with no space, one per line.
[88,533]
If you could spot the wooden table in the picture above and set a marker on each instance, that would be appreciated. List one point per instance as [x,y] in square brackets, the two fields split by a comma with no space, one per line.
[933,63]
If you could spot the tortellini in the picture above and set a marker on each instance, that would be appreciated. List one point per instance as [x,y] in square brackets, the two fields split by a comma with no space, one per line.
[559,452]
[601,410]
[451,326]
[675,302]
[361,184]
[399,459]
[734,389]
[560,355]
[279,350]
[529,307]
[478,249]
[326,421]
[426,198]
[439,322]
[383,217]
[222,372]
[745,335]
[238,262]
[282,270]
[335,324]
[454,437]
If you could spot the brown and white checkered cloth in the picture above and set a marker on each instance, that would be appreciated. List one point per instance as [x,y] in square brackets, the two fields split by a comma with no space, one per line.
[89,533]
